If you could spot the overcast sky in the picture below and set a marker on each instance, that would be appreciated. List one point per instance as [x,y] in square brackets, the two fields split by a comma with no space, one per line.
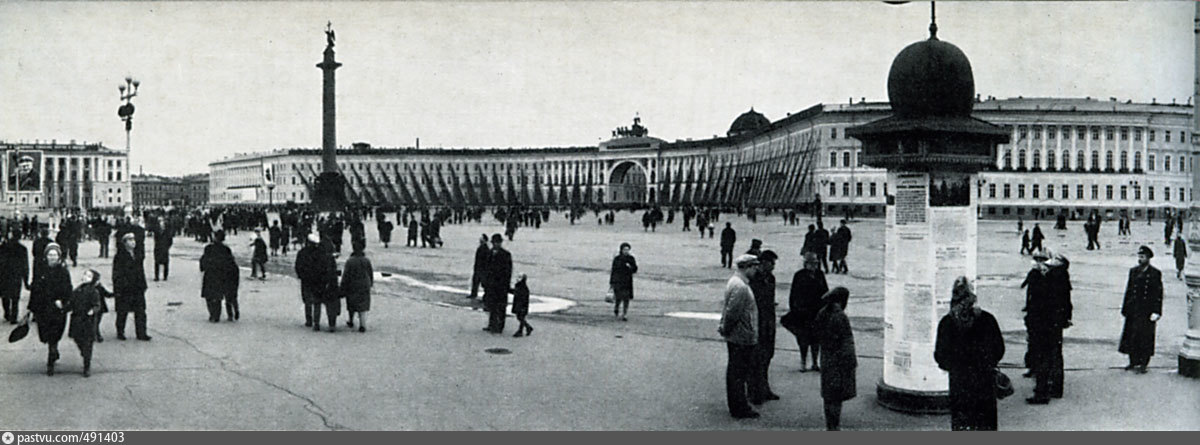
[222,78]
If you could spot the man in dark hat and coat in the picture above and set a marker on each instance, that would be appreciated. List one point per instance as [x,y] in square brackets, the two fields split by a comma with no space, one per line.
[496,284]
[482,253]
[14,274]
[1047,313]
[220,280]
[763,286]
[129,286]
[1142,308]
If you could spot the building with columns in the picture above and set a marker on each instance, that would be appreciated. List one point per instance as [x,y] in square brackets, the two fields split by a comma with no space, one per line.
[1066,155]
[49,175]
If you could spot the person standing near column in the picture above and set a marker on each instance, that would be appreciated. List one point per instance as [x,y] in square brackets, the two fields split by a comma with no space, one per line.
[969,346]
[1141,308]
[839,363]
[129,285]
[739,327]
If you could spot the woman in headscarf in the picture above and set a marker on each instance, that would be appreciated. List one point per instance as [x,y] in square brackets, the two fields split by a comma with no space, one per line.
[48,296]
[969,346]
[357,279]
[839,364]
[84,305]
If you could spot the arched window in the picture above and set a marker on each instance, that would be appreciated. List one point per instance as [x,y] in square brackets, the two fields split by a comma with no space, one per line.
[1050,158]
[1108,160]
[1124,159]
[1021,159]
[1137,160]
[1007,160]
[1095,160]
[1037,159]
[1079,159]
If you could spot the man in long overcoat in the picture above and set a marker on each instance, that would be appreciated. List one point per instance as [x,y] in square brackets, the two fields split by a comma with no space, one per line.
[820,245]
[129,286]
[763,286]
[220,278]
[316,278]
[164,238]
[1142,308]
[482,253]
[804,302]
[728,238]
[14,274]
[1047,313]
[496,284]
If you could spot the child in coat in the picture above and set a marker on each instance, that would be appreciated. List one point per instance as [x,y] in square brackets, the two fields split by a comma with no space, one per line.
[520,306]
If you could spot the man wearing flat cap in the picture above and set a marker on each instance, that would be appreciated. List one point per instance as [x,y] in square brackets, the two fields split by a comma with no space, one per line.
[129,286]
[739,327]
[1142,308]
[763,286]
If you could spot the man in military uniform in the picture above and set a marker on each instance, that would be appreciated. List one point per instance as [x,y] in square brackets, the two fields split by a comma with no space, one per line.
[1142,308]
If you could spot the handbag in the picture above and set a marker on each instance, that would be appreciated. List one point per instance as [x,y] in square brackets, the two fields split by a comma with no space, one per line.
[608,296]
[1004,387]
[20,331]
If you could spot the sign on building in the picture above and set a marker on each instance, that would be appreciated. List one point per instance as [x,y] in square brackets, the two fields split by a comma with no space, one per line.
[24,171]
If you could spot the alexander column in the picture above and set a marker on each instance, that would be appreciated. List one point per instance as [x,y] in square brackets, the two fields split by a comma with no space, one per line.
[932,149]
[329,187]
[1189,353]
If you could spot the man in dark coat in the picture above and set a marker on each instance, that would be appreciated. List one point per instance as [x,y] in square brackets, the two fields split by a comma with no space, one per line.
[496,284]
[1035,242]
[413,228]
[840,242]
[728,238]
[164,238]
[482,254]
[1047,313]
[129,285]
[620,280]
[103,231]
[820,245]
[274,234]
[763,286]
[385,232]
[220,278]
[14,274]
[1142,308]
[313,282]
[804,302]
[39,251]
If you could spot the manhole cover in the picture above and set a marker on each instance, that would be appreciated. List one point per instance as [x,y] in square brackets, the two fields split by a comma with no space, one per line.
[497,351]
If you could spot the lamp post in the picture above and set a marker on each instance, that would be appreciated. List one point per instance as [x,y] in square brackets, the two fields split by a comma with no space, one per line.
[125,111]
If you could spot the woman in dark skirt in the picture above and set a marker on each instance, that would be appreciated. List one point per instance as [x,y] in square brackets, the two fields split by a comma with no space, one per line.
[357,279]
[84,306]
[969,346]
[621,281]
[839,364]
[48,296]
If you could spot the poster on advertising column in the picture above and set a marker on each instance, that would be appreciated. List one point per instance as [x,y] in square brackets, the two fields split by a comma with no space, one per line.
[908,281]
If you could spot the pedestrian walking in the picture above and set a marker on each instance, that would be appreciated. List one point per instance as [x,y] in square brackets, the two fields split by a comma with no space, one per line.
[804,302]
[413,228]
[103,230]
[520,306]
[85,303]
[620,279]
[839,363]
[385,232]
[1025,248]
[39,251]
[496,285]
[839,248]
[14,274]
[739,328]
[1035,241]
[357,279]
[312,270]
[763,287]
[1047,313]
[1035,286]
[274,234]
[129,285]
[1168,228]
[220,279]
[258,257]
[820,245]
[163,239]
[1181,253]
[728,238]
[969,346]
[48,297]
[482,255]
[1141,308]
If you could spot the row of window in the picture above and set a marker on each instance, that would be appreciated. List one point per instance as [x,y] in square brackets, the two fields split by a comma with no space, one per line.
[1183,162]
[858,189]
[1081,132]
[1064,192]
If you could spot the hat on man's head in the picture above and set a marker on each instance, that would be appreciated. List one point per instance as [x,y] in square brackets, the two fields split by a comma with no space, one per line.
[496,237]
[1143,250]
[811,257]
[745,261]
[314,238]
[768,255]
[128,235]
[756,242]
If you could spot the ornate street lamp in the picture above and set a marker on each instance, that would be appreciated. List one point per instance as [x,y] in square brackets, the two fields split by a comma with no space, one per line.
[125,111]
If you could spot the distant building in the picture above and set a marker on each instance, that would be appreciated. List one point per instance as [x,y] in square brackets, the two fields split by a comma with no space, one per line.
[162,191]
[49,175]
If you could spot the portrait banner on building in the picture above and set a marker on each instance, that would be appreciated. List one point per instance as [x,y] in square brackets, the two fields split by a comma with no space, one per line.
[268,174]
[24,171]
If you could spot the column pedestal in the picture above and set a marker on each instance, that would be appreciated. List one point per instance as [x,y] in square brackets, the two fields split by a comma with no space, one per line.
[931,236]
[1189,353]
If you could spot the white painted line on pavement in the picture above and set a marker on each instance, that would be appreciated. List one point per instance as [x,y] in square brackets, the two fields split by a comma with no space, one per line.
[537,304]
[696,315]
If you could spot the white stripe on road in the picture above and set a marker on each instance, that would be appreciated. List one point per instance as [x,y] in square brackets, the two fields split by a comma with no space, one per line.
[696,315]
[537,304]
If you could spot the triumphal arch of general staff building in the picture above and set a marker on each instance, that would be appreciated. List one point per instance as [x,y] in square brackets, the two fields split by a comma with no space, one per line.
[1070,155]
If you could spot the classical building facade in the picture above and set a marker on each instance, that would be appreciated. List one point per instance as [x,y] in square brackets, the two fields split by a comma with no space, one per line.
[162,191]
[49,175]
[1065,155]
